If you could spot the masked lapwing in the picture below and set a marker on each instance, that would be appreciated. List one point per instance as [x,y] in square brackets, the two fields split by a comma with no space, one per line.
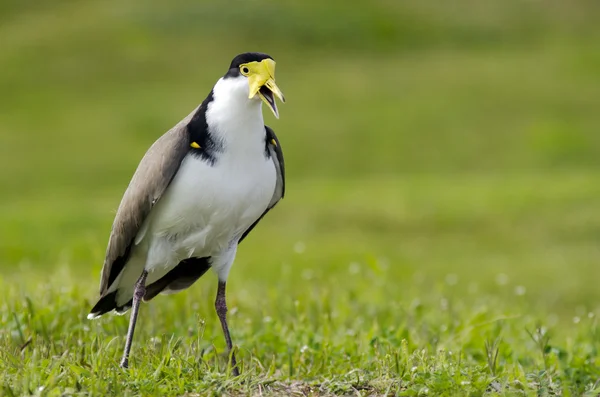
[196,194]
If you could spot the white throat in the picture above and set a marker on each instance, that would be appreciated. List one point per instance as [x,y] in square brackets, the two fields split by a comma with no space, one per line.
[233,118]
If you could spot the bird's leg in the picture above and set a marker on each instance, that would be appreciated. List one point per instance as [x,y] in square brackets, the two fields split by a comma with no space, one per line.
[138,294]
[221,307]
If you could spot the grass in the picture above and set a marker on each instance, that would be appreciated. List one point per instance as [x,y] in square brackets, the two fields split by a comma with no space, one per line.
[440,230]
[400,300]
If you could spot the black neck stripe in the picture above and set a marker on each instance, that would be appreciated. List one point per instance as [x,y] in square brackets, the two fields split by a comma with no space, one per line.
[198,132]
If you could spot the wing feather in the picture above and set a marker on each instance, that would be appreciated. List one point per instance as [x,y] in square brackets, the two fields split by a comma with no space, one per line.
[277,156]
[151,178]
[276,153]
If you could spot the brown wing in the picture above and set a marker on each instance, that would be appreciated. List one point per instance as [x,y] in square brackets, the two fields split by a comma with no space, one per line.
[153,175]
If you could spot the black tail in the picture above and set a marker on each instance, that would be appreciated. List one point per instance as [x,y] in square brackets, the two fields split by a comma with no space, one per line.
[180,277]
[108,303]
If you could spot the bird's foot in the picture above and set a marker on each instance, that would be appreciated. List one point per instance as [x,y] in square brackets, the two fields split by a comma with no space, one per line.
[233,363]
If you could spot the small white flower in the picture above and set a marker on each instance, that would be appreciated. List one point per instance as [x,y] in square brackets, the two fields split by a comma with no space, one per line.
[520,290]
[299,247]
[267,319]
[307,274]
[303,349]
[576,320]
[415,303]
[451,279]
[590,315]
[444,303]
[502,279]
[354,268]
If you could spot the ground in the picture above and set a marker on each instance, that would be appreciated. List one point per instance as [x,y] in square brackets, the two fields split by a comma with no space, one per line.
[440,230]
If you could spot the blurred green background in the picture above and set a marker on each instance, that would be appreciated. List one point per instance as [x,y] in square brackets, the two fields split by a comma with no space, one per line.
[437,143]
[443,190]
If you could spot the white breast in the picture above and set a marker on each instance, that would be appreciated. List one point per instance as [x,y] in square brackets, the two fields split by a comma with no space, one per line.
[206,208]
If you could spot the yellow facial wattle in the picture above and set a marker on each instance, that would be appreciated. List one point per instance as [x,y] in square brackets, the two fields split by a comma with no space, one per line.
[262,74]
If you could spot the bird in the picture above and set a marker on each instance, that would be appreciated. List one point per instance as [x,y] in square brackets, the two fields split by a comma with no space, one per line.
[195,195]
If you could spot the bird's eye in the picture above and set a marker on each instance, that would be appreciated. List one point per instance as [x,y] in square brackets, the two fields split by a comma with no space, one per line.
[245,70]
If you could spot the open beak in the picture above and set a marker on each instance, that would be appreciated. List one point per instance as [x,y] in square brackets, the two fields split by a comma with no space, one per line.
[262,82]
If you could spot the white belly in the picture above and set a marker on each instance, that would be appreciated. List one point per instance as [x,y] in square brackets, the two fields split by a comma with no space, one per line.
[207,208]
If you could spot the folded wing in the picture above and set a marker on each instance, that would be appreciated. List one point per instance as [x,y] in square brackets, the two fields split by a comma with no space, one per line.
[151,179]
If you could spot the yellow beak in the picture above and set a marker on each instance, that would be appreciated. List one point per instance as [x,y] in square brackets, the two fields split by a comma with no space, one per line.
[262,74]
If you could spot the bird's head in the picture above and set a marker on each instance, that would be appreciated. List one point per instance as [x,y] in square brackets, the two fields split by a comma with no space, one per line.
[257,71]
